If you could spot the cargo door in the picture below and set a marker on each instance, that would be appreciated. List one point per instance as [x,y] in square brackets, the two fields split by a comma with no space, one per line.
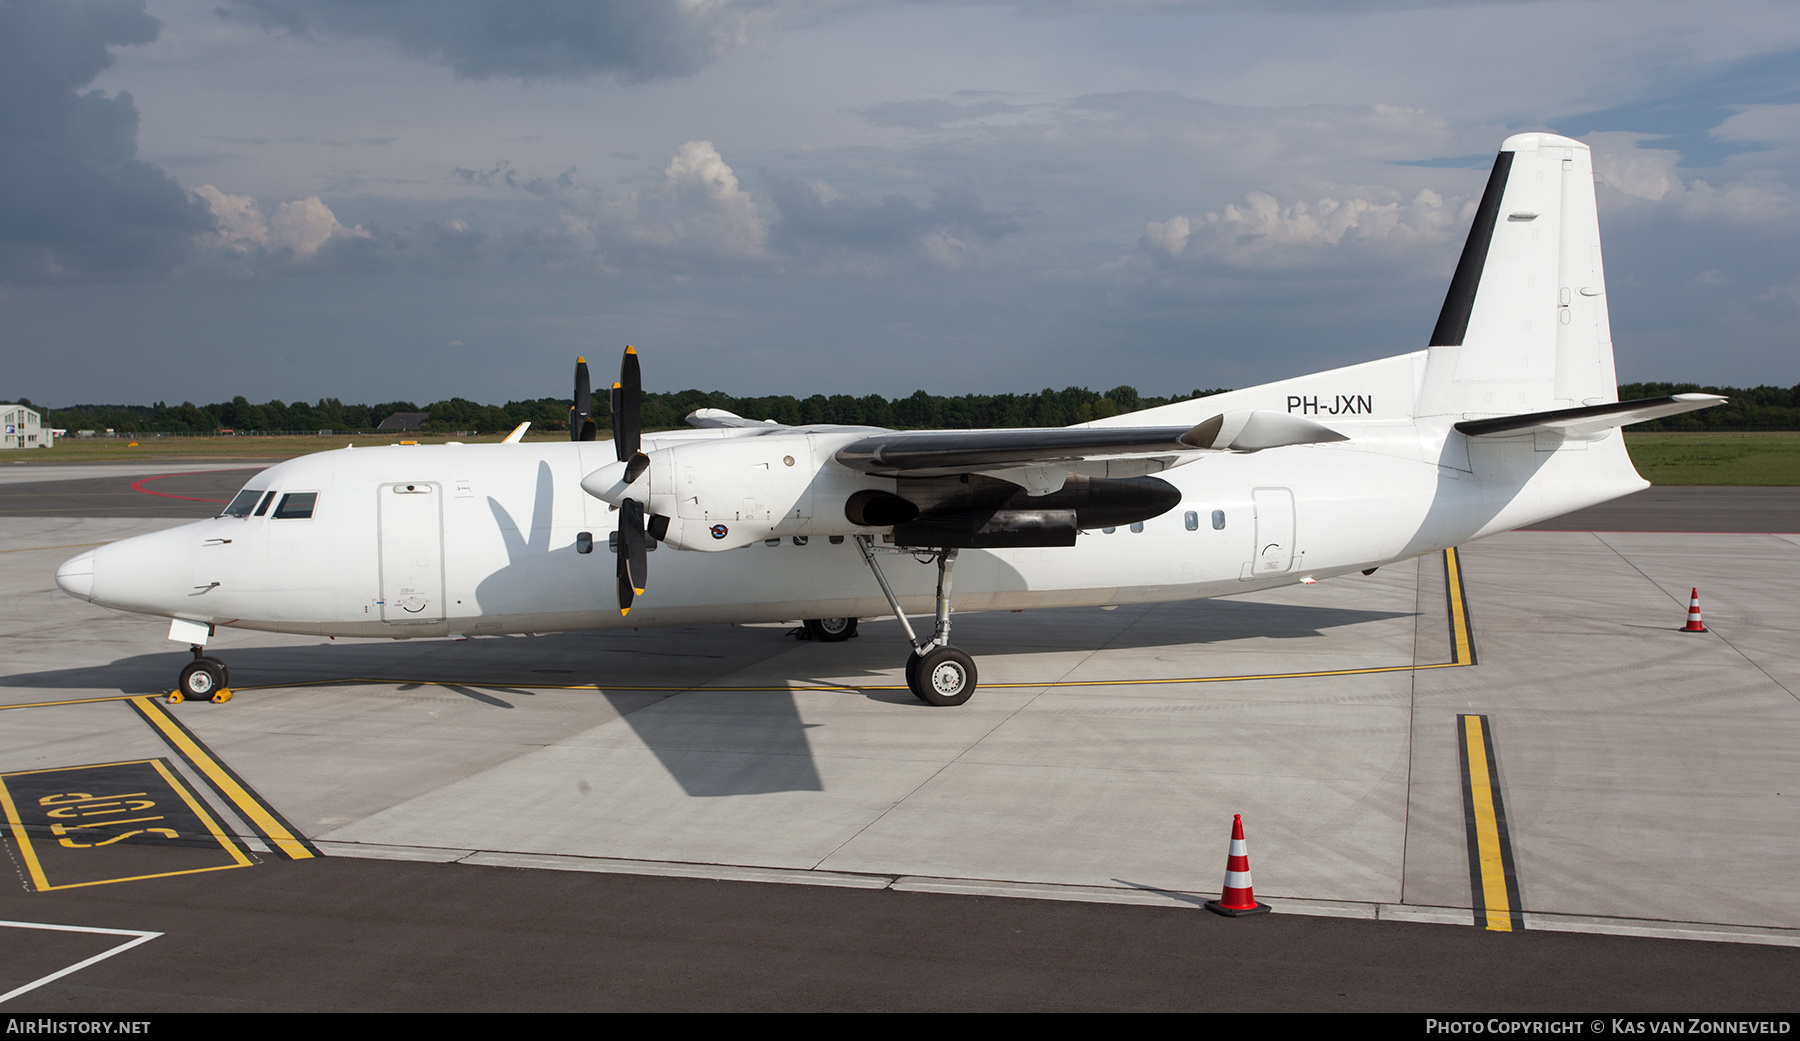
[1274,532]
[412,553]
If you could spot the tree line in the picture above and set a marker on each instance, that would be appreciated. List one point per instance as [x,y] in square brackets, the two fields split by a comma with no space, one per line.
[661,411]
[1752,408]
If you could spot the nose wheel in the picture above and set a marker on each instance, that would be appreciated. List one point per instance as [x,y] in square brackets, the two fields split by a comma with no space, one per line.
[203,679]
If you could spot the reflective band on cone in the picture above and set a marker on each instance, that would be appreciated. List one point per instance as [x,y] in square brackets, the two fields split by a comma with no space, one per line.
[1238,898]
[1694,624]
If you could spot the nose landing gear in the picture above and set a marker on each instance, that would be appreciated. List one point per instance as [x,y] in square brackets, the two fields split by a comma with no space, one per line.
[204,678]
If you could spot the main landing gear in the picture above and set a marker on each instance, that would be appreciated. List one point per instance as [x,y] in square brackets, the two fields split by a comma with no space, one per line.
[830,630]
[937,673]
[203,679]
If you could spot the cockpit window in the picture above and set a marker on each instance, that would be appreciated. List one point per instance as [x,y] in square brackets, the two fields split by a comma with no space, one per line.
[296,505]
[240,506]
[264,508]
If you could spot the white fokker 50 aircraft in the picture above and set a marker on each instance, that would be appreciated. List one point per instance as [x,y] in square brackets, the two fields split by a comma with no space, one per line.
[1508,417]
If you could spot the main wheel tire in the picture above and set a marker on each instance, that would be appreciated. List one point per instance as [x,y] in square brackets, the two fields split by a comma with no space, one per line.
[224,670]
[201,679]
[830,630]
[942,676]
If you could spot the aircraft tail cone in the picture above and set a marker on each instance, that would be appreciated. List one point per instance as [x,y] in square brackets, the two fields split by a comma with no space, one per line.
[1694,624]
[1238,898]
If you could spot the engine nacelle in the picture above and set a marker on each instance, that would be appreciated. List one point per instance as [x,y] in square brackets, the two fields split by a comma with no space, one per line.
[722,494]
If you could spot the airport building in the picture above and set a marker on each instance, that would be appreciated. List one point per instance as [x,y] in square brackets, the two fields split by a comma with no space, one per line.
[24,428]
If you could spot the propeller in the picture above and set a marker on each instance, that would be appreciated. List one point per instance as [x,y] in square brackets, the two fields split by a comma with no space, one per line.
[581,421]
[627,429]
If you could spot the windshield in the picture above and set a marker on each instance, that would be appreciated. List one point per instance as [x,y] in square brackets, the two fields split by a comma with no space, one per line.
[243,504]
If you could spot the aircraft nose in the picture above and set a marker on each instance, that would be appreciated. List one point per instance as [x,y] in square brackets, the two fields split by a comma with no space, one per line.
[76,576]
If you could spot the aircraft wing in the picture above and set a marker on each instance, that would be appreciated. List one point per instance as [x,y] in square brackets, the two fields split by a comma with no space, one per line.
[936,453]
[1594,419]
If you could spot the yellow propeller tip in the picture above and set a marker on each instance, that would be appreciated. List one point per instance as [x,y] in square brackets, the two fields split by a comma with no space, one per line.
[629,349]
[638,591]
[580,359]
[623,611]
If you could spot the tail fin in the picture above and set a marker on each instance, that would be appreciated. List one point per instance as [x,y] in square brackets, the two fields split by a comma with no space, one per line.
[1524,327]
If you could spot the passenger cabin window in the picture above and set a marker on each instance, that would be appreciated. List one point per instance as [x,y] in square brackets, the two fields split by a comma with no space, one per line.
[296,505]
[1137,527]
[1192,520]
[243,504]
[1218,520]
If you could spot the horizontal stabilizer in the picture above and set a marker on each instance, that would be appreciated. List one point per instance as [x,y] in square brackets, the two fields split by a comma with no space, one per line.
[1595,419]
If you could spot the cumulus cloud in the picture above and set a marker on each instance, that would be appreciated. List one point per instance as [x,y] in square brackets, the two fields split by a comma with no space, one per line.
[696,218]
[1263,233]
[1777,125]
[299,226]
[1631,170]
[75,201]
[949,233]
[631,40]
[1621,162]
[701,201]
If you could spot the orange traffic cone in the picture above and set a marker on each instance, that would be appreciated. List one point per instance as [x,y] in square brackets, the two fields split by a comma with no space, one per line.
[1238,898]
[1694,624]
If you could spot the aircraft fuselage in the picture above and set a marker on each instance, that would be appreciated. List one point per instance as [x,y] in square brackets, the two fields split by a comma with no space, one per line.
[411,541]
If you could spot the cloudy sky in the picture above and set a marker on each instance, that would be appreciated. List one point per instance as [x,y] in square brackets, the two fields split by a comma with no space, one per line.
[309,198]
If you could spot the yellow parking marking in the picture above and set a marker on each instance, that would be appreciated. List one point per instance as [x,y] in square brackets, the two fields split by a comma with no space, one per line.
[259,815]
[70,701]
[1462,642]
[1491,876]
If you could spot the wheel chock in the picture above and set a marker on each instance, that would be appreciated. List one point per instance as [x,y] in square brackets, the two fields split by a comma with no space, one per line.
[176,697]
[222,696]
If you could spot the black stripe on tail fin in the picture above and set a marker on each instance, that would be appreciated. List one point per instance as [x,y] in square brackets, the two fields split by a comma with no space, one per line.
[1453,320]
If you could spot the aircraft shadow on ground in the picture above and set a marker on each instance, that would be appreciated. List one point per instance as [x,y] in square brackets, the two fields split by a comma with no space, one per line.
[737,741]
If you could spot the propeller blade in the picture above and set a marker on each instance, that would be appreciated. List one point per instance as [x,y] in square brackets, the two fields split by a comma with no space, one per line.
[581,423]
[627,406]
[632,550]
[634,469]
[631,524]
